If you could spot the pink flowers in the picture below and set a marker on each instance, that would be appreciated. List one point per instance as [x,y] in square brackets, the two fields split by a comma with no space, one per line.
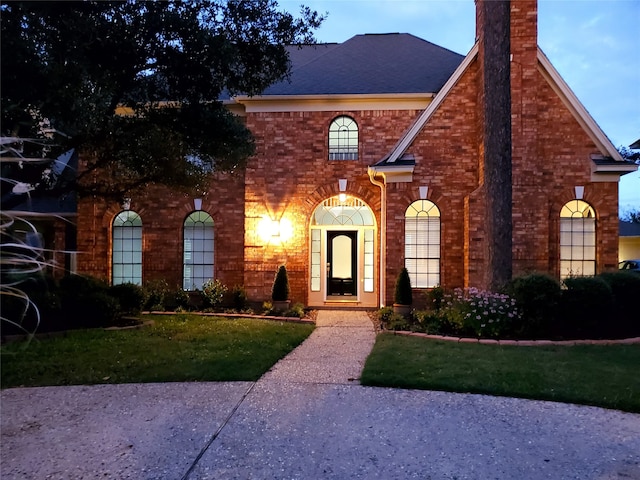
[484,313]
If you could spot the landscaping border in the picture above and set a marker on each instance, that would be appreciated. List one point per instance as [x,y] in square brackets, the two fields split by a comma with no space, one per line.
[238,315]
[521,343]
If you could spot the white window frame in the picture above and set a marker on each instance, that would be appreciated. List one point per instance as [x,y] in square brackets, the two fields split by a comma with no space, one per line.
[577,239]
[198,260]
[126,248]
[422,243]
[343,138]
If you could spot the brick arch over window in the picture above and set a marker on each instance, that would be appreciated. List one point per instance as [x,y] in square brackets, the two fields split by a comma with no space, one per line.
[126,248]
[198,250]
[422,243]
[343,138]
[577,239]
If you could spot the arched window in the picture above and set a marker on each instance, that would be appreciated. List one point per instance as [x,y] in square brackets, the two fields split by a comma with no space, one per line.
[577,239]
[422,243]
[343,139]
[198,250]
[126,248]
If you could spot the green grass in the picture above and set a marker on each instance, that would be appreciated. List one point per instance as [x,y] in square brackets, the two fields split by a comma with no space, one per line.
[175,348]
[600,375]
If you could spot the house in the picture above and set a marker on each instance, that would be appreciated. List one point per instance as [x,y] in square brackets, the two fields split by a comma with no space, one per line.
[629,240]
[38,224]
[369,159]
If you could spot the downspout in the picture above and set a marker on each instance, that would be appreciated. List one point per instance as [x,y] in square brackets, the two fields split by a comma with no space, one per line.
[383,232]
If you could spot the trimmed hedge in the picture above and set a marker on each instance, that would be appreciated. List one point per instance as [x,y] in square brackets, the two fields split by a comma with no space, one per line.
[538,296]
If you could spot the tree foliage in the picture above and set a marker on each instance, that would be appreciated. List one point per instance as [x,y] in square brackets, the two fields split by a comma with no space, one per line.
[137,88]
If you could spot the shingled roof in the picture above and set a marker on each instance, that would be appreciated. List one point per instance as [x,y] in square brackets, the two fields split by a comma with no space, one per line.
[368,64]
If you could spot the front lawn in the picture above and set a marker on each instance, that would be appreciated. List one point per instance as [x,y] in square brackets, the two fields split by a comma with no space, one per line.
[601,375]
[181,347]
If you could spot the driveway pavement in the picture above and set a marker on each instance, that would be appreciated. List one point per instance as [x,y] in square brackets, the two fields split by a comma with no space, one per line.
[307,419]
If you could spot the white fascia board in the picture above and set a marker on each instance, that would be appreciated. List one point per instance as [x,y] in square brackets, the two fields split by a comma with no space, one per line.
[329,102]
[428,112]
[611,173]
[576,108]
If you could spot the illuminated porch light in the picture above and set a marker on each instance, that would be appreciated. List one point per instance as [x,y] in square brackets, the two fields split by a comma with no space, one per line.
[274,231]
[275,228]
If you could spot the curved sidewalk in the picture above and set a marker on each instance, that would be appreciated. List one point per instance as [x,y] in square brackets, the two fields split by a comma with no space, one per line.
[308,418]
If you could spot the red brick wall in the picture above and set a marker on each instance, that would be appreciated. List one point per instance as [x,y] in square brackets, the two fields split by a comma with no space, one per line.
[291,175]
[163,213]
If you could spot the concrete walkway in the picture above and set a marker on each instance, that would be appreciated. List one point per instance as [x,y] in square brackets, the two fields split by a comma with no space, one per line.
[308,418]
[334,353]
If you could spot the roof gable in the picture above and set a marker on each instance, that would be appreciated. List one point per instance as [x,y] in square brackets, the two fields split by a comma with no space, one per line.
[559,86]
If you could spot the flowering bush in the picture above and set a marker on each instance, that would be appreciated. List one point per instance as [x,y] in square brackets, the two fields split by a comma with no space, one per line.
[213,292]
[481,313]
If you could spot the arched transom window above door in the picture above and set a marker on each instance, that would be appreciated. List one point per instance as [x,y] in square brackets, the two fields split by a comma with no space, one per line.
[343,139]
[352,211]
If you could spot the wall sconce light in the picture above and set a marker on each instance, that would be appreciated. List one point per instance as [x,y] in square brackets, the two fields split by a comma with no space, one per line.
[342,186]
[579,192]
[275,228]
[126,203]
[274,231]
[197,204]
[424,190]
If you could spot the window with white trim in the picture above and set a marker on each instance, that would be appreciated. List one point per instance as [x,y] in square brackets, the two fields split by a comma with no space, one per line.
[577,239]
[126,248]
[197,250]
[343,139]
[422,243]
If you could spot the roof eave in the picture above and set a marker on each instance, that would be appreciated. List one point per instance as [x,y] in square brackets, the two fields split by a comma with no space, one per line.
[245,99]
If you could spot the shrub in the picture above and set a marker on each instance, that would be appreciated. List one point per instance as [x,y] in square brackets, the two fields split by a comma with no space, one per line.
[625,287]
[85,302]
[480,313]
[130,296]
[538,297]
[403,293]
[99,309]
[392,321]
[435,297]
[587,304]
[95,309]
[432,322]
[239,297]
[297,310]
[74,285]
[31,307]
[178,300]
[156,293]
[280,290]
[213,292]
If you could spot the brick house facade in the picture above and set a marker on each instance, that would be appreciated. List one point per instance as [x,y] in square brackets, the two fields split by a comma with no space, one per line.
[417,109]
